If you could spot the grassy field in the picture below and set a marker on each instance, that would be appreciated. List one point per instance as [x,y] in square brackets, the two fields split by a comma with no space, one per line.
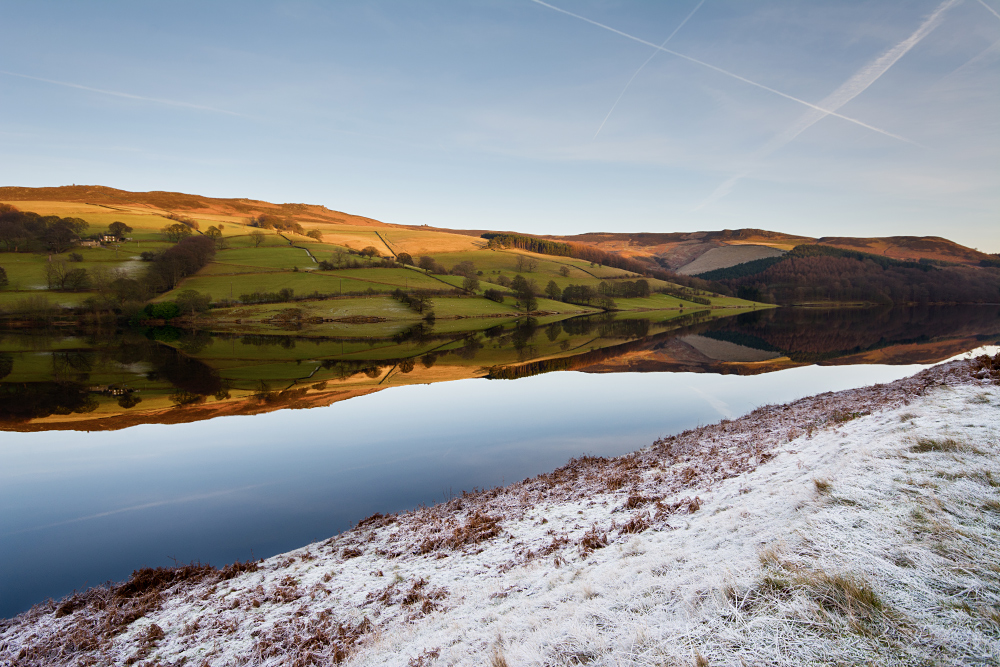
[287,260]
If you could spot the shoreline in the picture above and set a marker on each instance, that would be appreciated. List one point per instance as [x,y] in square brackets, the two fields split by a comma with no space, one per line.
[685,548]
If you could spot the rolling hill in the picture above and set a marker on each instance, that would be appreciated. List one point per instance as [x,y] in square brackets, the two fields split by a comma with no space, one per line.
[754,264]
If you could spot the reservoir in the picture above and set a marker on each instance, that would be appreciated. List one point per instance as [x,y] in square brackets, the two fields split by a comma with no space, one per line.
[83,507]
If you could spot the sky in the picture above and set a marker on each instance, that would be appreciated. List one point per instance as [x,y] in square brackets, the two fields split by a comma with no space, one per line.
[818,118]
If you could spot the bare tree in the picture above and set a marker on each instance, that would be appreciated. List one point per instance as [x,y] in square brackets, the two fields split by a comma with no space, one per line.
[257,237]
[526,264]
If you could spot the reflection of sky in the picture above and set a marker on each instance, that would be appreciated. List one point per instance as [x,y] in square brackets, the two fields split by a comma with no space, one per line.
[86,507]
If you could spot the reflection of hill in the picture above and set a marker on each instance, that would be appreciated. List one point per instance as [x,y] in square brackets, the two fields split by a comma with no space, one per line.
[810,336]
[188,414]
[792,337]
[228,375]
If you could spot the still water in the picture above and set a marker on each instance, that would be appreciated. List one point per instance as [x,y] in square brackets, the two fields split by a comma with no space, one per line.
[81,508]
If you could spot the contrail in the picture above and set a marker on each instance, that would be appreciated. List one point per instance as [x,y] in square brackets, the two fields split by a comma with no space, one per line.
[989,9]
[853,87]
[622,94]
[136,508]
[726,72]
[129,96]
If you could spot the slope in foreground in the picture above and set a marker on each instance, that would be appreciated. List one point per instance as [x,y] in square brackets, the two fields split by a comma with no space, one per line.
[853,527]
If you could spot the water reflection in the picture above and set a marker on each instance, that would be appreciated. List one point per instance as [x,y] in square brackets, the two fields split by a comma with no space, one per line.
[167,375]
[84,507]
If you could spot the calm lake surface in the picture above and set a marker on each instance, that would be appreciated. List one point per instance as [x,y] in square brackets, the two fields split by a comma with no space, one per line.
[81,508]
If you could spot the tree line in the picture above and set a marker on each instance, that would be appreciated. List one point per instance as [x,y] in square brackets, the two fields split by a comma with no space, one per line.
[831,278]
[26,231]
[529,243]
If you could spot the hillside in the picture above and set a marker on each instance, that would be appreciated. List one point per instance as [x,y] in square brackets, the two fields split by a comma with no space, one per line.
[727,256]
[849,528]
[179,202]
[223,253]
[678,251]
[672,250]
[271,253]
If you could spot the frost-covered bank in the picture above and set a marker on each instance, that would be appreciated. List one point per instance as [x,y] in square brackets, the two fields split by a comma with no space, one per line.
[845,527]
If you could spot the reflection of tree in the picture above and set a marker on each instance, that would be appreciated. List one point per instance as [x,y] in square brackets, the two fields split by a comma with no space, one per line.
[627,329]
[470,347]
[6,364]
[23,401]
[259,340]
[129,400]
[72,362]
[183,372]
[523,332]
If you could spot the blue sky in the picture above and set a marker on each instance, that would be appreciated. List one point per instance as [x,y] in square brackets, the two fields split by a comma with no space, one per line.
[496,114]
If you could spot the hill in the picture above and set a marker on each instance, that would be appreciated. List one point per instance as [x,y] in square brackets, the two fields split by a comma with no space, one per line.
[677,251]
[309,249]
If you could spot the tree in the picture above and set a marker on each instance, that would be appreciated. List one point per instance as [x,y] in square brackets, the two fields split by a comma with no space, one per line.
[215,233]
[119,229]
[55,273]
[404,258]
[578,294]
[427,263]
[257,237]
[60,277]
[526,264]
[552,291]
[77,280]
[465,268]
[176,232]
[470,284]
[524,291]
[369,251]
[193,301]
[181,260]
[3,278]
[494,295]
[62,233]
[564,271]
[315,234]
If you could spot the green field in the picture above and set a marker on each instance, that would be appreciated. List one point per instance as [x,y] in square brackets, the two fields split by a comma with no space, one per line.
[283,261]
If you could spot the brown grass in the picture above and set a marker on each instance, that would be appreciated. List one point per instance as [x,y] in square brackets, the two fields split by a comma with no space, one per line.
[927,445]
[497,658]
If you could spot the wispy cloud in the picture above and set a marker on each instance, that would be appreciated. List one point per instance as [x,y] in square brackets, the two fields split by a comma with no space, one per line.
[128,96]
[642,66]
[725,72]
[989,9]
[850,89]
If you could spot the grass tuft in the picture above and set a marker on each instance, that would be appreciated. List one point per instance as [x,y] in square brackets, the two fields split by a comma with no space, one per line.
[927,445]
[823,485]
[497,658]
